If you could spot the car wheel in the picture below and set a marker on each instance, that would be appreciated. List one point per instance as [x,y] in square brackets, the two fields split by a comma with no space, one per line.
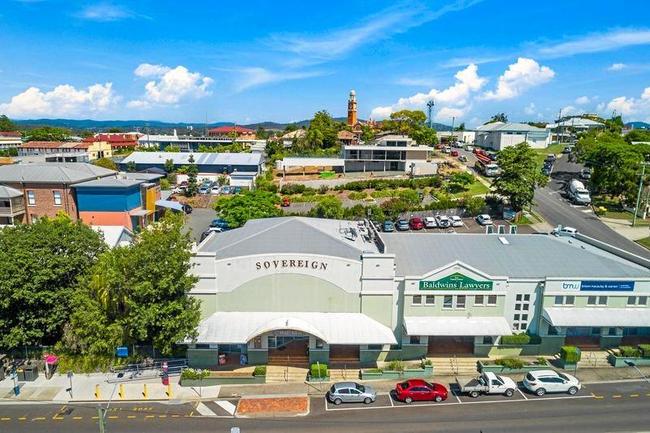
[438,399]
[367,400]
[540,392]
[338,401]
[474,394]
[573,390]
[509,392]
[408,400]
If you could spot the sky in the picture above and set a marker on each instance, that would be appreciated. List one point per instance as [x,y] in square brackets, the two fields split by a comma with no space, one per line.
[193,61]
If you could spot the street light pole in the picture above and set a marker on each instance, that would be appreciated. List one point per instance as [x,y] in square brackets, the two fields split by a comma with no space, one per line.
[638,196]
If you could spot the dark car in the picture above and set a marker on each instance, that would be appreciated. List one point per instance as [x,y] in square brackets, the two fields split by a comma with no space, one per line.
[416,223]
[388,226]
[187,209]
[219,223]
[420,390]
[402,225]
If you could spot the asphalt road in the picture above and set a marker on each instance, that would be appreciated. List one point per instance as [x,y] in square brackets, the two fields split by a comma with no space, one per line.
[620,407]
[551,204]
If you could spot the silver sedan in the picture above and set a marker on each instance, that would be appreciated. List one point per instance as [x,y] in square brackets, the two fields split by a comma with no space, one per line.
[351,392]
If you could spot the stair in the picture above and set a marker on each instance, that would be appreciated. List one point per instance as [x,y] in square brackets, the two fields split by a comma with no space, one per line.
[283,374]
[594,359]
[454,366]
[292,361]
[342,375]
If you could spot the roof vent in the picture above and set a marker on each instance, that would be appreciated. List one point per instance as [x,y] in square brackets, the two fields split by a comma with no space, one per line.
[503,240]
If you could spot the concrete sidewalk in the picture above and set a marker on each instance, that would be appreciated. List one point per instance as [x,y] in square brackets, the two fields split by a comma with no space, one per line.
[624,228]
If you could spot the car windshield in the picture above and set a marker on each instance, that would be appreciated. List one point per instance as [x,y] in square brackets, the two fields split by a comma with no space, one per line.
[361,387]
[563,376]
[404,385]
[333,389]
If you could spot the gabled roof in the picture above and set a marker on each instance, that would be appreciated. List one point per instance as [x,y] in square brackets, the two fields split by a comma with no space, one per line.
[287,235]
[42,144]
[52,172]
[509,127]
[200,158]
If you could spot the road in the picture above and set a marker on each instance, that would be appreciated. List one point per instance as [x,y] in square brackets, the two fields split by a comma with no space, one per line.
[620,407]
[554,208]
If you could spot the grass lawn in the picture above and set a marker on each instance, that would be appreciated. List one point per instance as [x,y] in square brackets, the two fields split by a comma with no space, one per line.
[625,215]
[645,242]
[477,188]
[553,148]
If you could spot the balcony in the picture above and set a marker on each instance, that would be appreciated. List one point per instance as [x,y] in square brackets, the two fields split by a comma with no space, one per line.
[11,208]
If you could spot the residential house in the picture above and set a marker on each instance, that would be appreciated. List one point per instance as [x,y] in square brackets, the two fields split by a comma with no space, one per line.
[232,131]
[499,135]
[10,139]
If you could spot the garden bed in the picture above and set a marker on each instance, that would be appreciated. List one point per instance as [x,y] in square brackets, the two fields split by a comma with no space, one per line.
[407,373]
[639,356]
[511,366]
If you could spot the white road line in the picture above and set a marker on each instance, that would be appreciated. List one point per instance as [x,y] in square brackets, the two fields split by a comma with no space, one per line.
[457,398]
[522,394]
[227,406]
[204,410]
[390,398]
[326,405]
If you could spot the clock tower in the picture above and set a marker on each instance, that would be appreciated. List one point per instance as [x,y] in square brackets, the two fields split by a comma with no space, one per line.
[352,108]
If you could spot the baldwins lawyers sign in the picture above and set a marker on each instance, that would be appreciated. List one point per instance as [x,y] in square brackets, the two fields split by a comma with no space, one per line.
[456,281]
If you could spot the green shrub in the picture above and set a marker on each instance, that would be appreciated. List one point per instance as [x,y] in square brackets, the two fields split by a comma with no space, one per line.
[354,195]
[293,188]
[570,354]
[629,351]
[165,184]
[194,374]
[323,189]
[645,350]
[260,370]
[318,370]
[513,363]
[516,339]
[541,361]
[396,365]
[373,370]
[426,362]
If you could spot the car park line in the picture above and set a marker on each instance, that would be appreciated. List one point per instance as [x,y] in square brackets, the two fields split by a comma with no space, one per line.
[522,394]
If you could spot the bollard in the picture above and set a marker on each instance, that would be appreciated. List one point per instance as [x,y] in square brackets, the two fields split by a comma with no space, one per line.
[121,391]
[169,390]
[145,394]
[97,393]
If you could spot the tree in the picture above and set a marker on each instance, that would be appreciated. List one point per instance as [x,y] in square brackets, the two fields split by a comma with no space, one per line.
[262,134]
[172,148]
[323,130]
[114,130]
[367,133]
[131,167]
[6,124]
[169,166]
[47,133]
[461,127]
[413,124]
[520,175]
[192,172]
[106,163]
[329,207]
[138,294]
[238,209]
[499,117]
[41,265]
[636,135]
[615,124]
[424,136]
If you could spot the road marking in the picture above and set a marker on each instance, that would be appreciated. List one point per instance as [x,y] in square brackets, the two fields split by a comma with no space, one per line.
[599,397]
[22,418]
[95,417]
[113,417]
[58,418]
[617,396]
[149,416]
[77,417]
[162,416]
[457,398]
[130,416]
[225,405]
[634,395]
[522,394]
[390,398]
[5,418]
[175,415]
[39,418]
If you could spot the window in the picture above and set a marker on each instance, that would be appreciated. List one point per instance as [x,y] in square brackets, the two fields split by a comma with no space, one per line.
[523,326]
[637,300]
[565,300]
[417,300]
[31,198]
[517,307]
[611,331]
[559,300]
[602,300]
[492,300]
[488,339]
[516,317]
[591,300]
[524,317]
[414,339]
[57,198]
[430,299]
[448,301]
[525,307]
[631,300]
[518,297]
[460,301]
[526,297]
[643,300]
[479,300]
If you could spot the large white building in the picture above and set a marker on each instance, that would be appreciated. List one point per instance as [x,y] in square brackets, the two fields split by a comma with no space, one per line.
[299,289]
[499,135]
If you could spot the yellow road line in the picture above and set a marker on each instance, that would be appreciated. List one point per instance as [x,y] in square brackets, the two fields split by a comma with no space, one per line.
[617,396]
[634,395]
[77,417]
[149,416]
[22,418]
[130,416]
[38,418]
[113,417]
[95,417]
[5,418]
[175,416]
[162,416]
[58,418]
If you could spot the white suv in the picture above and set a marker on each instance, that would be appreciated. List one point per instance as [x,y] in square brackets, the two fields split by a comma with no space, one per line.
[542,381]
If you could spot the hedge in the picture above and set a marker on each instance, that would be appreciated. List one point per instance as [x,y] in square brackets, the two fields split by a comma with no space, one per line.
[645,350]
[194,374]
[260,370]
[513,363]
[570,354]
[629,351]
[520,339]
[318,370]
[379,184]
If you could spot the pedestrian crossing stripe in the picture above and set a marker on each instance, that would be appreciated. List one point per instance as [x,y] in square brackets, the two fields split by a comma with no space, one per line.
[227,406]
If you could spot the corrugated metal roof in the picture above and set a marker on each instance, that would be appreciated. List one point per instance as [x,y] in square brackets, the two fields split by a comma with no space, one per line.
[52,172]
[200,158]
[288,235]
[525,256]
[456,326]
[611,317]
[8,192]
[312,162]
[509,127]
[109,182]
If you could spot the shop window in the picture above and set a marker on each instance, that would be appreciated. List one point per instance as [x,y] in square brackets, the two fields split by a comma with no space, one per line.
[430,299]
[448,301]
[492,300]
[460,301]
[414,339]
[611,332]
[31,198]
[417,300]
[631,300]
[487,339]
[565,300]
[637,300]
[559,300]
[479,300]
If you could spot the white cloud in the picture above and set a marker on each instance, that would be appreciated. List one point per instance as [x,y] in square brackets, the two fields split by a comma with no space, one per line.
[256,76]
[617,67]
[63,100]
[646,93]
[530,109]
[622,105]
[582,100]
[518,78]
[173,86]
[630,106]
[597,42]
[105,12]
[453,101]
[569,110]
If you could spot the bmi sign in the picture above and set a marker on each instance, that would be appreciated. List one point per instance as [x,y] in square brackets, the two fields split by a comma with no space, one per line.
[599,285]
[456,281]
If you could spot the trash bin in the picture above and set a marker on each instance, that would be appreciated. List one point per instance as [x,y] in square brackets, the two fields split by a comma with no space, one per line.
[28,373]
[165,379]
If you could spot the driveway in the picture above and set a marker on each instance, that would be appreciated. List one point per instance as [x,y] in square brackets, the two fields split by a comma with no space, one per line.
[198,221]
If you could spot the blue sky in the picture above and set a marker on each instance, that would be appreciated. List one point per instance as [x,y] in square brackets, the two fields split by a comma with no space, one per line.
[282,61]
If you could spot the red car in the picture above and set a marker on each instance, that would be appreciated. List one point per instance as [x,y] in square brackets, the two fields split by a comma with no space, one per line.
[454,153]
[416,223]
[420,390]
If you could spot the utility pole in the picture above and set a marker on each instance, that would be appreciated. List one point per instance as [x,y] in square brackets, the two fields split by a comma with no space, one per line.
[559,127]
[638,196]
[453,121]
[430,106]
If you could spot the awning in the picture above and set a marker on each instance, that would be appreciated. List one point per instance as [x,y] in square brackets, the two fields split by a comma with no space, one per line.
[170,204]
[460,326]
[139,212]
[610,317]
[333,328]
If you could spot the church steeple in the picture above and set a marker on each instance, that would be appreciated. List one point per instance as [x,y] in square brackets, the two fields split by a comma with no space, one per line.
[352,108]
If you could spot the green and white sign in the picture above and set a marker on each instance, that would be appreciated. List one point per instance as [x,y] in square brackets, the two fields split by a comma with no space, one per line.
[456,281]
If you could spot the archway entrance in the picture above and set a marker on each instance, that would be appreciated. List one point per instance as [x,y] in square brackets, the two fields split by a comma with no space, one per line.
[288,348]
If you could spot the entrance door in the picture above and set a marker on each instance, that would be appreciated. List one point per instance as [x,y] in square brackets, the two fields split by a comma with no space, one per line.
[340,353]
[289,350]
[450,345]
[583,337]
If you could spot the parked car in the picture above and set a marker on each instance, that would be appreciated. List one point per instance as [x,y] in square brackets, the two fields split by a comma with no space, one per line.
[351,392]
[179,190]
[585,173]
[187,209]
[215,189]
[484,219]
[219,223]
[486,383]
[567,149]
[456,221]
[430,222]
[542,381]
[493,156]
[564,231]
[462,158]
[443,221]
[551,157]
[468,148]
[454,153]
[402,225]
[416,223]
[204,190]
[420,390]
[210,230]
[388,226]
[227,189]
[546,170]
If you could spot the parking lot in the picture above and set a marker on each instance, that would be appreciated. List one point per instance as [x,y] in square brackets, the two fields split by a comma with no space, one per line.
[469,225]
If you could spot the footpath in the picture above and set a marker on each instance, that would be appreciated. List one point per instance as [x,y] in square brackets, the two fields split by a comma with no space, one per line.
[624,228]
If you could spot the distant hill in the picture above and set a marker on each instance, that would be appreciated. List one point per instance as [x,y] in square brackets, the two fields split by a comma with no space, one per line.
[638,125]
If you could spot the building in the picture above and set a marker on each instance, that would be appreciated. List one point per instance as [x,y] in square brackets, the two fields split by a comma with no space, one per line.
[118,142]
[60,149]
[10,139]
[207,163]
[467,137]
[347,137]
[232,132]
[387,153]
[12,206]
[47,188]
[128,200]
[115,236]
[352,109]
[298,290]
[290,138]
[499,135]
[189,143]
[565,130]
